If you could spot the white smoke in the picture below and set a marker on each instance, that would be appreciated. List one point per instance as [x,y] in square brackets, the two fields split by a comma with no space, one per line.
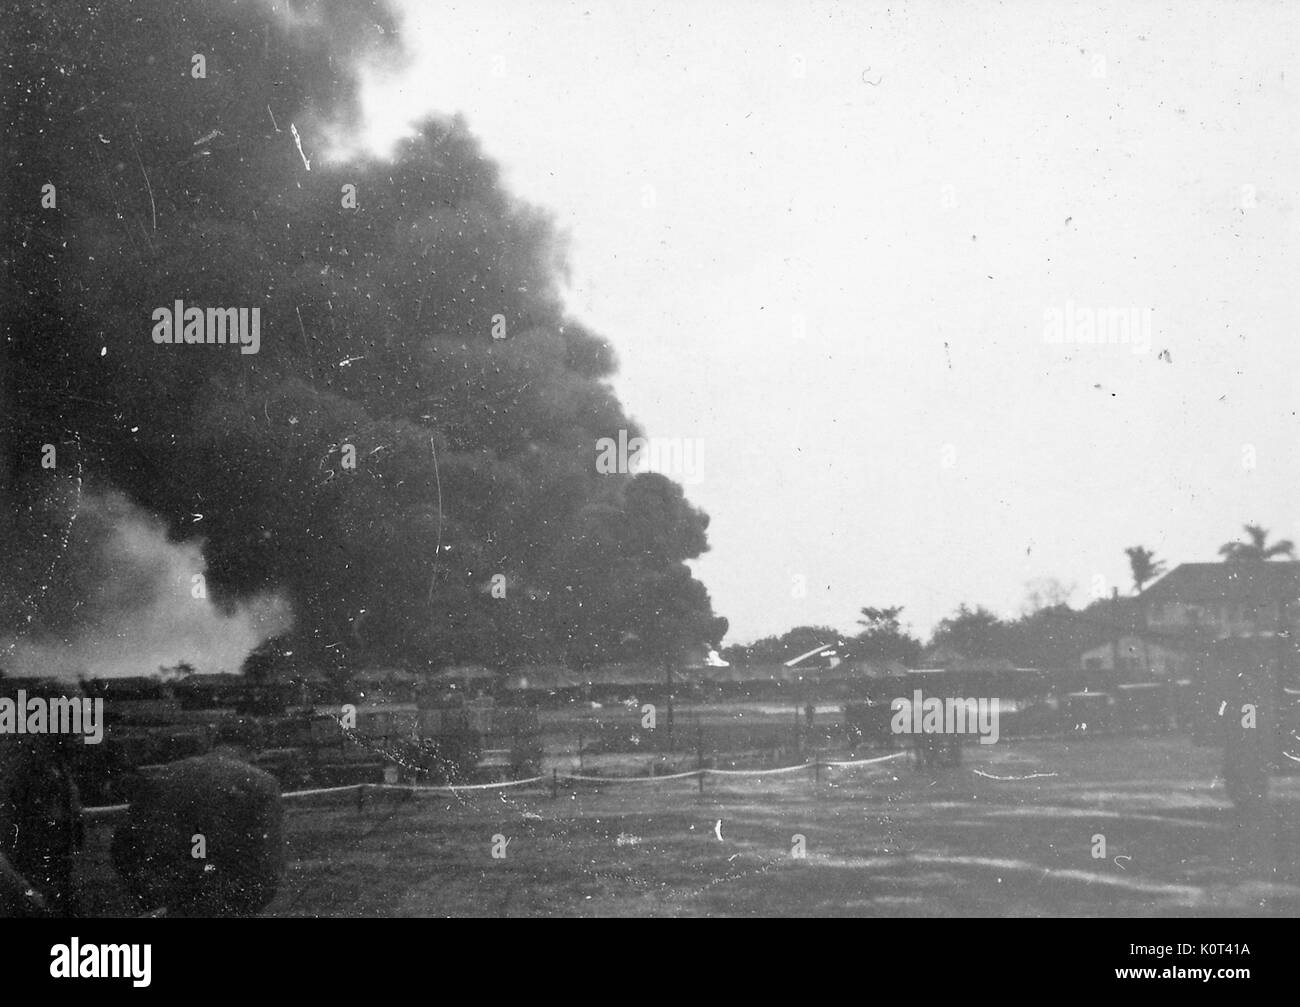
[141,604]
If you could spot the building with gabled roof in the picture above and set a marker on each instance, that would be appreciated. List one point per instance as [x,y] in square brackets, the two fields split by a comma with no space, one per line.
[1228,599]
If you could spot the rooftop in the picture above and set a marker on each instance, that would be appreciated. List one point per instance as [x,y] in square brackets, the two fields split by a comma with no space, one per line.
[1239,582]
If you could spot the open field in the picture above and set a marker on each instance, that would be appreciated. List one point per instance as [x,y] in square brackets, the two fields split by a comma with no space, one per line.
[1009,833]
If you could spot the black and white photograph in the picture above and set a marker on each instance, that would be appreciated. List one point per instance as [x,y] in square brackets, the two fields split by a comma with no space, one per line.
[651,460]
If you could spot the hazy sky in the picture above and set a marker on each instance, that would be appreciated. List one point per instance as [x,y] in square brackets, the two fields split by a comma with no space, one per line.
[914,187]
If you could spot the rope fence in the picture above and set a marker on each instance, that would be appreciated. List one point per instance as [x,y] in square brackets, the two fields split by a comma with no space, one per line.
[108,812]
[692,774]
[449,789]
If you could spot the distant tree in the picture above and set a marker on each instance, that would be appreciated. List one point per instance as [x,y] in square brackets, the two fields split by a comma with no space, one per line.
[1046,592]
[264,660]
[802,639]
[975,633]
[1055,636]
[743,653]
[775,649]
[1143,565]
[884,638]
[1257,550]
[876,620]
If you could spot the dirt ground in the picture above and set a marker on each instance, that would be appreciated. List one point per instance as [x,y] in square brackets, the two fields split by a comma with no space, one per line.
[1012,832]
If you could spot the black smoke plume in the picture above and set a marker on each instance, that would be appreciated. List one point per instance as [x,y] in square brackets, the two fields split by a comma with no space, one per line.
[420,333]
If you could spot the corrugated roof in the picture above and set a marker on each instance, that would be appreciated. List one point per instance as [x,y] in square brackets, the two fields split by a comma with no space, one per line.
[817,651]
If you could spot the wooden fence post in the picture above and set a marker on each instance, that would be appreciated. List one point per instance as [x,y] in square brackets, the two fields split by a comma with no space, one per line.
[699,753]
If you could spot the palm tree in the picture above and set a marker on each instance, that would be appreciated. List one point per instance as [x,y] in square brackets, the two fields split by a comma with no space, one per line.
[1144,566]
[1256,550]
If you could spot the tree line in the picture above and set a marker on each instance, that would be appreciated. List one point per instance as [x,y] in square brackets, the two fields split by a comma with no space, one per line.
[1048,633]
